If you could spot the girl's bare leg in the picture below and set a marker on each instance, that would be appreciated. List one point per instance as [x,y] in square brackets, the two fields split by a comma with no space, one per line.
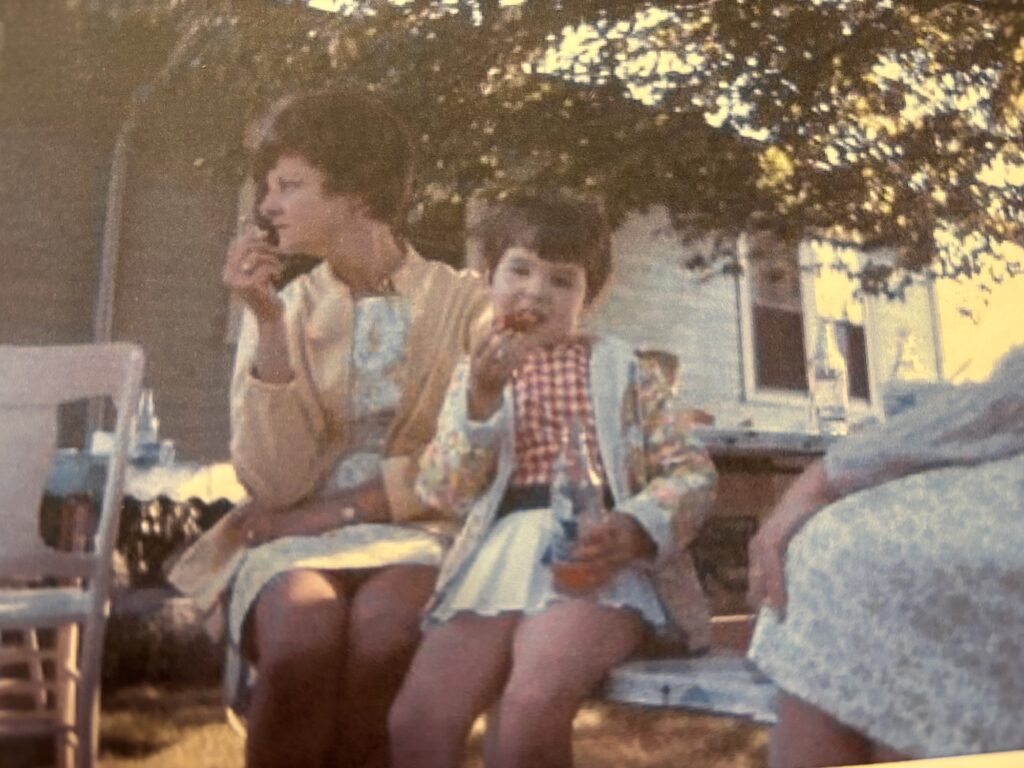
[457,672]
[298,629]
[558,657]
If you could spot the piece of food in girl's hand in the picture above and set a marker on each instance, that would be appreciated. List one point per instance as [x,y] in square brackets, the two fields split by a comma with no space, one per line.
[520,321]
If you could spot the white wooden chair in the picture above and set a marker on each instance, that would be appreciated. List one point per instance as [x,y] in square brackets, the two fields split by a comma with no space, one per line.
[41,587]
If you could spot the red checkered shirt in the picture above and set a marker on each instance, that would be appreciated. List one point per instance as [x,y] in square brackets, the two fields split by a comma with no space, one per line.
[552,388]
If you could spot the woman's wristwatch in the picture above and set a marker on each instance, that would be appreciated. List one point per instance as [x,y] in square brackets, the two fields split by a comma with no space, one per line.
[347,516]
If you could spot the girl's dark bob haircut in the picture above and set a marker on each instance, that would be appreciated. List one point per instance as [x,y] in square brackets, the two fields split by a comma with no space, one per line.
[559,227]
[358,142]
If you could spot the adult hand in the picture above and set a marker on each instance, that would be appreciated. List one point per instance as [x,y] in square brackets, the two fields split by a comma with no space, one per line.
[258,524]
[261,525]
[767,549]
[767,557]
[253,522]
[493,358]
[250,270]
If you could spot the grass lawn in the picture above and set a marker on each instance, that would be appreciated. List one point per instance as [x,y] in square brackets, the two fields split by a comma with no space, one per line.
[150,727]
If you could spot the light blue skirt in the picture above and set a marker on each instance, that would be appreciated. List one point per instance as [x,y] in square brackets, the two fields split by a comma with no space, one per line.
[352,547]
[507,574]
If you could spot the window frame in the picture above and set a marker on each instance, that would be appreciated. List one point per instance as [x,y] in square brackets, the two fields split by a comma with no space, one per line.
[752,391]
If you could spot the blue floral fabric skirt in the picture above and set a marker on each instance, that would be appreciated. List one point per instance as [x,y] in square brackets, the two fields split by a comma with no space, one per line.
[905,614]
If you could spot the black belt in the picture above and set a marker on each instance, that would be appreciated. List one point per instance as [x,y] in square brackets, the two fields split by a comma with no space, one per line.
[538,496]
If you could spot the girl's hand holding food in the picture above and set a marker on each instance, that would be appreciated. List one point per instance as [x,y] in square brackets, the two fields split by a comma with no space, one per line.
[492,361]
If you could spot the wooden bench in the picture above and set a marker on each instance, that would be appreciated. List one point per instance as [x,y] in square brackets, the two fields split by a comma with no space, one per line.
[713,684]
[721,682]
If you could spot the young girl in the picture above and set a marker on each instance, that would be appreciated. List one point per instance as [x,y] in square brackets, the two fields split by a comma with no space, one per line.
[502,632]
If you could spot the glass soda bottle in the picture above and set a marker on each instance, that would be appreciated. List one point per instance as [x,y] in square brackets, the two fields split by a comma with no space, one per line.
[577,499]
[145,442]
[830,394]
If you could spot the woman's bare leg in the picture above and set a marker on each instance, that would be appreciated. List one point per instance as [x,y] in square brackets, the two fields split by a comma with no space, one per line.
[457,672]
[807,737]
[383,632]
[884,754]
[558,657]
[298,629]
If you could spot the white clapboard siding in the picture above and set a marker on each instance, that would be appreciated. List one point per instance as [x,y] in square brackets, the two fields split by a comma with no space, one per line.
[652,300]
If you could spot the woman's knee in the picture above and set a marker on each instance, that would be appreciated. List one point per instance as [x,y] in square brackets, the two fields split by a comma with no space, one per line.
[383,630]
[384,635]
[299,619]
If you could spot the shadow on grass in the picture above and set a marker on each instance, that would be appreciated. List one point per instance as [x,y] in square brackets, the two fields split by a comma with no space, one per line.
[165,727]
[142,720]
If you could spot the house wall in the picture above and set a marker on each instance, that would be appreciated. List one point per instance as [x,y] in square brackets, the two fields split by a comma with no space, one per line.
[57,131]
[169,296]
[51,166]
[652,300]
[895,319]
[52,171]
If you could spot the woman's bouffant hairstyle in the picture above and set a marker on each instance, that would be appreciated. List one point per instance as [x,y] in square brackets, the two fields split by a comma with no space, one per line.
[557,226]
[360,144]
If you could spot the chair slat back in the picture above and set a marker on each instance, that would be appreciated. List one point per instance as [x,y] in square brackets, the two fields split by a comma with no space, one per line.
[28,440]
[33,382]
[51,375]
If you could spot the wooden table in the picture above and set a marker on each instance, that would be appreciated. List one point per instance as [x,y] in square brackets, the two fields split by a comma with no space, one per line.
[754,469]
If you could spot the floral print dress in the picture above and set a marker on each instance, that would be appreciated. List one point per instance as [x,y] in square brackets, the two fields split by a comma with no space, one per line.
[905,612]
[379,341]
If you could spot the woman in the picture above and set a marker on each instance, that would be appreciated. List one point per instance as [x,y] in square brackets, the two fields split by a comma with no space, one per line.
[894,627]
[338,382]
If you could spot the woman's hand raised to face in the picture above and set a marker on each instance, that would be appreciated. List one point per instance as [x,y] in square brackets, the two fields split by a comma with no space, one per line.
[251,268]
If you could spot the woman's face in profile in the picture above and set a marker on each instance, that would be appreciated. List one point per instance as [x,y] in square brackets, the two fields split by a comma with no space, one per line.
[305,219]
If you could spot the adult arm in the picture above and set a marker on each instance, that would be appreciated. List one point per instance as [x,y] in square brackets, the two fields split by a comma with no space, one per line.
[811,491]
[960,426]
[443,340]
[280,445]
[367,503]
[957,426]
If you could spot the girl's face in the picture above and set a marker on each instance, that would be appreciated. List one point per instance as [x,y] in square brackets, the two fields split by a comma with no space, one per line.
[307,219]
[549,295]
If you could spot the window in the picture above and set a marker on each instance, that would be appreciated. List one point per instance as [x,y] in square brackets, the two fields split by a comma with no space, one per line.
[785,289]
[777,322]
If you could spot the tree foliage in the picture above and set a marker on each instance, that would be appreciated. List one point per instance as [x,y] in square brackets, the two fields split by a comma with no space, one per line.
[891,123]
